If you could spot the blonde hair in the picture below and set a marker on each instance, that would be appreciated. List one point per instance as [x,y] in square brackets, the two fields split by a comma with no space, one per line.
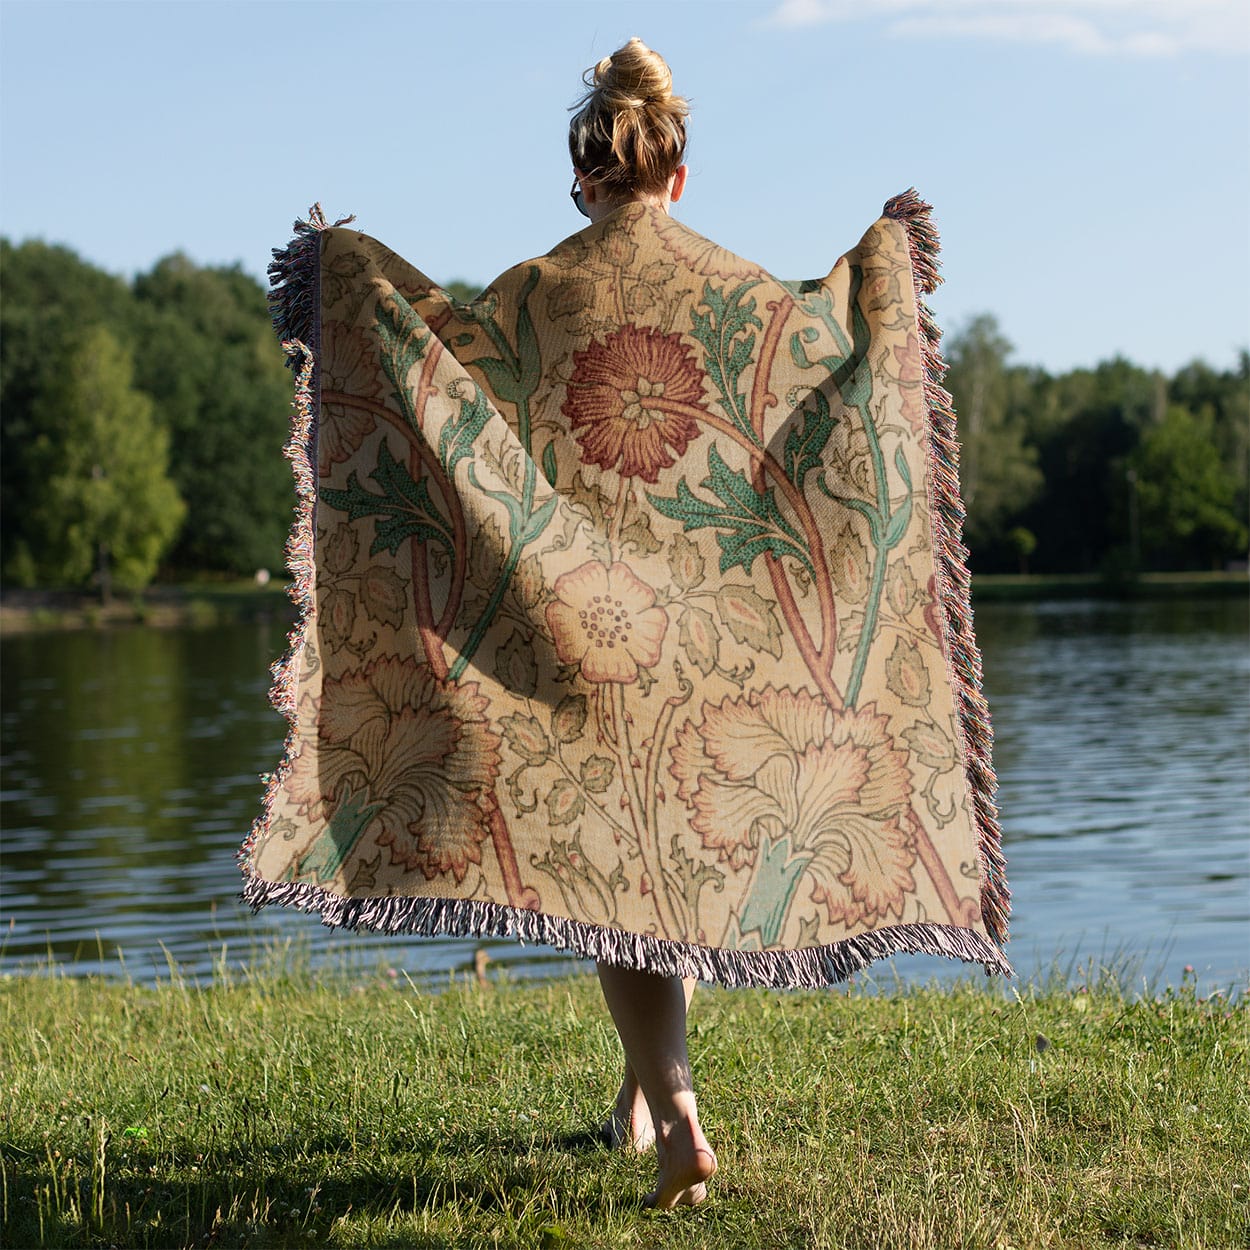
[629,131]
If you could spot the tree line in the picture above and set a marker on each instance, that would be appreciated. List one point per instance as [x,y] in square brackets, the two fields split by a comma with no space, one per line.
[142,424]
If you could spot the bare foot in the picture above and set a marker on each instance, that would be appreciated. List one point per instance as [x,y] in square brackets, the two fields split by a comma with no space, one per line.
[629,1126]
[686,1165]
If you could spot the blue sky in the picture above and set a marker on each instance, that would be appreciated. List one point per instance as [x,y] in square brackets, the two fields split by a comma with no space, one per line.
[1089,160]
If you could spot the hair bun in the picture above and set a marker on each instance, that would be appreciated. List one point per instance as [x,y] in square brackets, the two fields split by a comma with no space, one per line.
[634,76]
[629,130]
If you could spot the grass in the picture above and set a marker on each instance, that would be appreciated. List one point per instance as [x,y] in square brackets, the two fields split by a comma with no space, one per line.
[287,1109]
[1029,587]
[193,603]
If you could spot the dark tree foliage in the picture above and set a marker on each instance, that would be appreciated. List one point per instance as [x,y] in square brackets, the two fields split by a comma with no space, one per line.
[52,299]
[105,509]
[1109,469]
[207,353]
[465,292]
[998,465]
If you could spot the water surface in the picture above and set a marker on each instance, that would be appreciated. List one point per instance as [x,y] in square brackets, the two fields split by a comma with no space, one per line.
[131,759]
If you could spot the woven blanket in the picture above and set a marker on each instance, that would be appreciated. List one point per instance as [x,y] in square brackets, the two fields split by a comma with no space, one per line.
[634,616]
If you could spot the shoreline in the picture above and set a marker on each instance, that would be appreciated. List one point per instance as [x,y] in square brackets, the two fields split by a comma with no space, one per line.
[206,604]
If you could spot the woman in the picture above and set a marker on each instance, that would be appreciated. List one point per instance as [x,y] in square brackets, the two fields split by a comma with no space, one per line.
[635,618]
[628,142]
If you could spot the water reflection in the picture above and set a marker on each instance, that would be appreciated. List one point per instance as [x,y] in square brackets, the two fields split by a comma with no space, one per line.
[131,758]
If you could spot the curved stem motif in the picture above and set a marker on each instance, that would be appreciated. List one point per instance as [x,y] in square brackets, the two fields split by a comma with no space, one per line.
[927,853]
[429,461]
[764,463]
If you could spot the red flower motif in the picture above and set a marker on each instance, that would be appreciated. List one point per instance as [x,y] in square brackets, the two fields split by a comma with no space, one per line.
[625,401]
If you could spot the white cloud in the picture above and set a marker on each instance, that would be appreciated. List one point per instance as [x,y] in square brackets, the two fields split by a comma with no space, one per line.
[1138,28]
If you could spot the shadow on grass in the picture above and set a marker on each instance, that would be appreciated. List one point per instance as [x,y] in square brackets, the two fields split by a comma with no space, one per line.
[266,1196]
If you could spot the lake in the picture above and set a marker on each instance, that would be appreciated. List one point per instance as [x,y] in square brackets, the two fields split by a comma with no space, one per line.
[130,775]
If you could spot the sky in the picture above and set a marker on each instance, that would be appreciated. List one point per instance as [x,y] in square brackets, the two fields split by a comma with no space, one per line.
[1088,160]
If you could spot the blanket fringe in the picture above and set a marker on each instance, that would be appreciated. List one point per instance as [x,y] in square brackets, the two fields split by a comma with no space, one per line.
[951,560]
[810,968]
[294,302]
[294,281]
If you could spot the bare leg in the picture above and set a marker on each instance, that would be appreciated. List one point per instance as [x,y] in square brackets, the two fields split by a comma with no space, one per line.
[650,1015]
[629,1125]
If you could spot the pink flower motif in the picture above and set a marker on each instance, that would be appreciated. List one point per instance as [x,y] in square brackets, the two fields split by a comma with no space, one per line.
[416,751]
[781,763]
[911,383]
[605,619]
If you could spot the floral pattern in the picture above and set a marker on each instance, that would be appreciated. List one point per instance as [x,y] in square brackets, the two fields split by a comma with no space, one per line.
[629,401]
[781,764]
[416,753]
[911,382]
[349,367]
[699,254]
[629,602]
[606,620]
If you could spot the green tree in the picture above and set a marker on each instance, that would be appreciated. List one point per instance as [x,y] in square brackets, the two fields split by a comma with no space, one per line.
[208,355]
[464,291]
[997,466]
[1085,424]
[51,297]
[1185,495]
[103,502]
[1223,399]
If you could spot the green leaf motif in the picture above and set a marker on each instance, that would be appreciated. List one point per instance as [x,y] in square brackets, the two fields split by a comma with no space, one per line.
[748,522]
[809,931]
[850,371]
[404,508]
[516,668]
[404,338]
[694,876]
[589,500]
[749,617]
[458,436]
[549,463]
[568,720]
[597,773]
[897,526]
[804,447]
[724,331]
[336,277]
[686,563]
[636,529]
[564,802]
[383,595]
[699,638]
[526,737]
[900,463]
[499,377]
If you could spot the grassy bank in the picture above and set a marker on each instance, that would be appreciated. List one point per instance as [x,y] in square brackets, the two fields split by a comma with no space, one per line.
[286,1111]
[216,603]
[1003,587]
[192,603]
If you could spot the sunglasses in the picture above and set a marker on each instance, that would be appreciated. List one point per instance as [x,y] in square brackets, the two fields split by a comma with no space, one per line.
[576,196]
